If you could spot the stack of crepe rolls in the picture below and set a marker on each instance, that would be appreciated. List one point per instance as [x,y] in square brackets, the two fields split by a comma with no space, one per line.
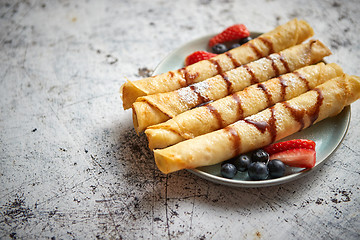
[263,128]
[251,100]
[157,108]
[292,33]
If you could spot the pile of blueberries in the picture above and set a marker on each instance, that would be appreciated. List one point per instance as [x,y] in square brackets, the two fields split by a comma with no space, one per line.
[222,47]
[258,166]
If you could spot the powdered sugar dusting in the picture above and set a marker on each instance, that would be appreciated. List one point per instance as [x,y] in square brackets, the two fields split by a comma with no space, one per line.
[201,88]
[187,95]
[191,94]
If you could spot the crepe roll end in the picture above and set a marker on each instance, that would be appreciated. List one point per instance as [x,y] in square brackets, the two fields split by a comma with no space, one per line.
[145,115]
[338,70]
[353,87]
[305,30]
[318,49]
[129,92]
[161,138]
[168,163]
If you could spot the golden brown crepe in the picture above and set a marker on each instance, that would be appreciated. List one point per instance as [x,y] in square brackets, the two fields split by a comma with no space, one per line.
[263,128]
[251,100]
[156,108]
[282,37]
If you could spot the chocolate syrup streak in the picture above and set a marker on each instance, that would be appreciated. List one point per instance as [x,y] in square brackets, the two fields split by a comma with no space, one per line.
[239,104]
[269,125]
[251,72]
[267,93]
[216,114]
[228,83]
[268,43]
[303,79]
[297,114]
[217,65]
[272,125]
[188,77]
[283,85]
[284,62]
[261,125]
[235,139]
[313,112]
[233,60]
[256,50]
[201,98]
[273,64]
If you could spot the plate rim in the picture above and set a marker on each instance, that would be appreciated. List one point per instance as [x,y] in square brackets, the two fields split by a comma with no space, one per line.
[261,183]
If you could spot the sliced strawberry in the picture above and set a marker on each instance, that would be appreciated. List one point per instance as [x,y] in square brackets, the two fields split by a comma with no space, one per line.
[297,157]
[198,56]
[291,144]
[234,32]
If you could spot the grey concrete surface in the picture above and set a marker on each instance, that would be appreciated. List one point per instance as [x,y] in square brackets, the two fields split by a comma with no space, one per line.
[71,165]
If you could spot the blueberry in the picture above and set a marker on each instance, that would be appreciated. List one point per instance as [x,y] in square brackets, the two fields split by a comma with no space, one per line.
[219,48]
[258,171]
[235,45]
[276,168]
[228,170]
[244,40]
[260,156]
[242,162]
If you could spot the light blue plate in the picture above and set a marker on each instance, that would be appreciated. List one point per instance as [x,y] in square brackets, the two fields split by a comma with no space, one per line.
[327,134]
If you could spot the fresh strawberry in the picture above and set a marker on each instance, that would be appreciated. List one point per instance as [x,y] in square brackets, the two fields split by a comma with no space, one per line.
[297,157]
[198,56]
[234,32]
[291,144]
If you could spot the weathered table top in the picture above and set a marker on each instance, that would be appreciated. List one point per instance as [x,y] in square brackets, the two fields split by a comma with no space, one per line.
[72,166]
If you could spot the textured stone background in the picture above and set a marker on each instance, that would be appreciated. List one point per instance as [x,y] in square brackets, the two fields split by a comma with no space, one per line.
[71,165]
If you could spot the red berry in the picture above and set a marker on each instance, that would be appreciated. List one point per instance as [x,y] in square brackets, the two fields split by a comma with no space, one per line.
[297,157]
[291,144]
[234,32]
[198,56]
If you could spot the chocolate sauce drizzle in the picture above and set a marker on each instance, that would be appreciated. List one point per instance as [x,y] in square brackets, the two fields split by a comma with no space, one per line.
[201,98]
[283,85]
[255,49]
[235,139]
[251,72]
[188,77]
[284,62]
[233,60]
[260,125]
[313,112]
[239,104]
[216,114]
[269,125]
[268,43]
[303,79]
[273,64]
[272,125]
[217,65]
[297,114]
[267,93]
[228,83]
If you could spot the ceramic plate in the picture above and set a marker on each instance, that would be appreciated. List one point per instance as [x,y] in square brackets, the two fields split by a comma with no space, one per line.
[327,134]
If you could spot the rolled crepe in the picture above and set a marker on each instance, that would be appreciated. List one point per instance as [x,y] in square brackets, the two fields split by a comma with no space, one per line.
[251,100]
[153,109]
[282,37]
[263,128]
